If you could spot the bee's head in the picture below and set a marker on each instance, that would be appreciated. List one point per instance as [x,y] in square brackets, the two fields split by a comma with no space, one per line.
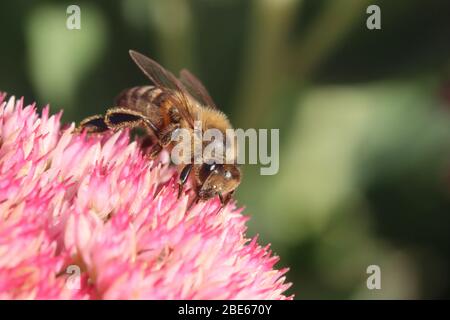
[218,179]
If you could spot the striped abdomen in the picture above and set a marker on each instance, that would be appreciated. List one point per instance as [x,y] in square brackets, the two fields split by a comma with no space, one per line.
[147,100]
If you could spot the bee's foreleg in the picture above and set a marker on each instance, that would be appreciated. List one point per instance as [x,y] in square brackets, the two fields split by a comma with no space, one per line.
[183,177]
[225,199]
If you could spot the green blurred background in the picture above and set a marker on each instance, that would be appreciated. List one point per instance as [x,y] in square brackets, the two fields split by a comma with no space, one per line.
[364,117]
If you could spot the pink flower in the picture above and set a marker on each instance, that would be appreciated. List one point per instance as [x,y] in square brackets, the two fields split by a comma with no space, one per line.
[89,217]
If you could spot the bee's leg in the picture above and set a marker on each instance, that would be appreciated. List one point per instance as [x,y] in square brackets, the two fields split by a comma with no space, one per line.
[165,136]
[183,177]
[225,199]
[93,124]
[152,131]
[155,150]
[118,118]
[150,127]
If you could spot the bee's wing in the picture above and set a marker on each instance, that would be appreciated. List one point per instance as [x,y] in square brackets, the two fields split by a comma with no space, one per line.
[196,89]
[166,80]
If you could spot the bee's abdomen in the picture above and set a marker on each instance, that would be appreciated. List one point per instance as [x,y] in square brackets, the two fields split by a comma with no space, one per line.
[137,97]
[144,99]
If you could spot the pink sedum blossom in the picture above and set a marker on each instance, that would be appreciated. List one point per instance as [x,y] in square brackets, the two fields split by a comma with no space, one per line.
[90,217]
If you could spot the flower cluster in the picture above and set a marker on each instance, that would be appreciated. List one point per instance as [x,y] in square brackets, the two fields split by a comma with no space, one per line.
[90,217]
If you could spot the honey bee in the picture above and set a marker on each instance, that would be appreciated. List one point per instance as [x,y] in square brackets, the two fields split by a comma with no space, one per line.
[169,104]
